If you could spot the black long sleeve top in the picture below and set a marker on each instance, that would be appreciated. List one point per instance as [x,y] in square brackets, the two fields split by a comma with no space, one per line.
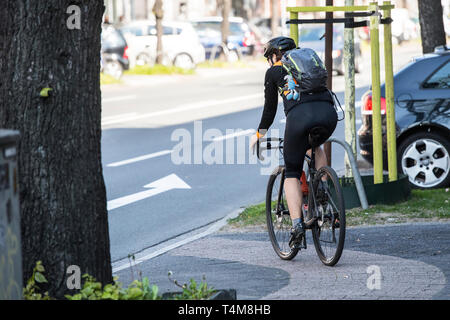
[274,83]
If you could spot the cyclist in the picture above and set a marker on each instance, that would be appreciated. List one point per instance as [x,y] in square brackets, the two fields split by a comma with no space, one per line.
[311,110]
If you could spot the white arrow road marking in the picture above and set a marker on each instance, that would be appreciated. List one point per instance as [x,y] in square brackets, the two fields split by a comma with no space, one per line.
[170,182]
[140,158]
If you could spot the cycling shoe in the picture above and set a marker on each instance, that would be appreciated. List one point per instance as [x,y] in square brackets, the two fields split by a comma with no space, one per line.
[297,234]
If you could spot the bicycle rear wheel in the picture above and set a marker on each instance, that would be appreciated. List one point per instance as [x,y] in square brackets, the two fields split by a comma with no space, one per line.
[279,222]
[329,229]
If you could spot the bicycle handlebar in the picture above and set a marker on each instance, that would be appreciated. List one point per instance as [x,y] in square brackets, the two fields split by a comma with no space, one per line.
[268,146]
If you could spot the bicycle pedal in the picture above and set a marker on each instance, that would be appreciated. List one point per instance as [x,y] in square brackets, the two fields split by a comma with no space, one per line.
[310,222]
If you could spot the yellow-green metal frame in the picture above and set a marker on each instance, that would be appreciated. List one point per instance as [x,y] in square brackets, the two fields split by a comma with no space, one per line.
[376,93]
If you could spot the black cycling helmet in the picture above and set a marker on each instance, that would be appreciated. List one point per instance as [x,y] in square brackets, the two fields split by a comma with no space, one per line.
[278,44]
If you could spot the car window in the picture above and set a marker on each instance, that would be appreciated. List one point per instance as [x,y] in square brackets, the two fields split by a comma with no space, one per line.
[210,27]
[111,38]
[136,30]
[206,27]
[440,79]
[237,28]
[314,34]
[166,30]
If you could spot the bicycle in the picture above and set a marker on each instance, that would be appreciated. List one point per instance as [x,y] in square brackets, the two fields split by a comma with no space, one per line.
[323,208]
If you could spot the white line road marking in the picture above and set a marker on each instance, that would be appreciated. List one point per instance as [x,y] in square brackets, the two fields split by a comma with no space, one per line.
[159,186]
[233,135]
[120,98]
[140,158]
[152,253]
[118,116]
[186,107]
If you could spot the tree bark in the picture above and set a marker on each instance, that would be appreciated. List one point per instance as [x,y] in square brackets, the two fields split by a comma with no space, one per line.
[63,198]
[431,24]
[225,28]
[159,15]
[274,21]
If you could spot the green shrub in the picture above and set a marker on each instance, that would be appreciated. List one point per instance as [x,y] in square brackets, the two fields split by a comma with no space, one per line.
[193,291]
[93,290]
[32,290]
[137,290]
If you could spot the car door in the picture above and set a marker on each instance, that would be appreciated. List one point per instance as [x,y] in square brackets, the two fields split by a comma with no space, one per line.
[434,95]
[427,101]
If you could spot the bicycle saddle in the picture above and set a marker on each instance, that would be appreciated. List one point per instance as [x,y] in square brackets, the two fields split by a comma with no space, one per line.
[317,136]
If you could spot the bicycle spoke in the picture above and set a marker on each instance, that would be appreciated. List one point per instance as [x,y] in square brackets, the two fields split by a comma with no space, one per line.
[328,236]
[279,221]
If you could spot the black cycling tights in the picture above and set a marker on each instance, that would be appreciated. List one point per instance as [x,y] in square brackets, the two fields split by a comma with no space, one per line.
[299,121]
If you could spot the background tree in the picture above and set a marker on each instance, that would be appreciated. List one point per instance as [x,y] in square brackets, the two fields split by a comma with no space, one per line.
[431,24]
[63,199]
[159,15]
[275,18]
[224,6]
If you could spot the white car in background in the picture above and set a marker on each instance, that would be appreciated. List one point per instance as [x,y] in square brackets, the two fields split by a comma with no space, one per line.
[181,45]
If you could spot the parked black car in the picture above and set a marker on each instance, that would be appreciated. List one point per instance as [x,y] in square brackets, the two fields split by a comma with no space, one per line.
[422,111]
[114,57]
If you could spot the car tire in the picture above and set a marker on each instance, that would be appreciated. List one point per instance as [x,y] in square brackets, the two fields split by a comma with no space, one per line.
[233,56]
[184,61]
[114,69]
[425,158]
[143,59]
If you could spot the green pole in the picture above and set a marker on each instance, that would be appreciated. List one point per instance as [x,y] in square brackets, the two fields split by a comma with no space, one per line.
[294,27]
[376,97]
[390,106]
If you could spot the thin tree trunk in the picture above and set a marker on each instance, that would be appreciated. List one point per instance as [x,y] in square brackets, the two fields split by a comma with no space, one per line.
[159,15]
[431,24]
[274,21]
[226,8]
[63,198]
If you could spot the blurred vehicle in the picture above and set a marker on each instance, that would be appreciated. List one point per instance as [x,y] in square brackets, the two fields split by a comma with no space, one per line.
[447,24]
[181,45]
[313,37]
[264,24]
[241,40]
[114,52]
[403,27]
[422,114]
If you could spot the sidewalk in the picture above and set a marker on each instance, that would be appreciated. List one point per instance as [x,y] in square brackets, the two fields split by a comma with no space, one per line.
[413,261]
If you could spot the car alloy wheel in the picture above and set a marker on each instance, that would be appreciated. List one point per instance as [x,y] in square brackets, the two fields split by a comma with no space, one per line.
[426,161]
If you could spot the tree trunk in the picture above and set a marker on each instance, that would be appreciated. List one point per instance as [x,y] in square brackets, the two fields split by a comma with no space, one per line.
[63,198]
[159,15]
[226,8]
[274,21]
[431,25]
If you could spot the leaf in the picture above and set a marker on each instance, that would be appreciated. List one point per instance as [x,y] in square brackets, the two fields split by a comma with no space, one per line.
[106,295]
[135,293]
[39,277]
[40,267]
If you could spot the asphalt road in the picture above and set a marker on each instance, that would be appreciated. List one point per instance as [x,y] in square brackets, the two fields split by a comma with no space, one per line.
[151,198]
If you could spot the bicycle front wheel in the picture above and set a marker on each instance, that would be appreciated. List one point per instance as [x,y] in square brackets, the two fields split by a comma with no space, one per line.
[279,222]
[329,229]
